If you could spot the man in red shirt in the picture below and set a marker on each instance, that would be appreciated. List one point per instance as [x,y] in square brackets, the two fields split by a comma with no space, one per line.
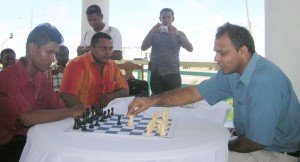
[26,96]
[93,78]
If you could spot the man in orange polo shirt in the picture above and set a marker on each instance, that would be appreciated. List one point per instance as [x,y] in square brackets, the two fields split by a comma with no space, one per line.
[92,77]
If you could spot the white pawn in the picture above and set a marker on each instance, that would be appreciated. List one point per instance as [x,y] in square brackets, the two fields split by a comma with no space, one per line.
[130,121]
[162,130]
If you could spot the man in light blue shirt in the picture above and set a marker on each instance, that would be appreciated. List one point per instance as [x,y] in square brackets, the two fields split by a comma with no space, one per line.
[266,108]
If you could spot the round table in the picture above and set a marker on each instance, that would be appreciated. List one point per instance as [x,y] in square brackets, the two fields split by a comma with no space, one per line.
[194,139]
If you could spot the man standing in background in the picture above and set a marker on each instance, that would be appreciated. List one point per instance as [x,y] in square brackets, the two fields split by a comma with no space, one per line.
[95,19]
[166,42]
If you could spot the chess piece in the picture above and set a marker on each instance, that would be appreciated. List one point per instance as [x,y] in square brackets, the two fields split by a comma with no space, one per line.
[104,115]
[84,121]
[97,121]
[75,123]
[162,130]
[130,121]
[102,118]
[119,120]
[112,111]
[91,125]
[108,113]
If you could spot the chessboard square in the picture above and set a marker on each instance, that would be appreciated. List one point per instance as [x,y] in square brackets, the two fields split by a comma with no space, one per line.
[140,128]
[156,134]
[111,132]
[117,126]
[136,133]
[113,119]
[147,118]
[102,128]
[90,130]
[143,123]
[107,123]
[125,130]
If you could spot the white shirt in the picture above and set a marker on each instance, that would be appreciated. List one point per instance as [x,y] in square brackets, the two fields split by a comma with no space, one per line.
[112,31]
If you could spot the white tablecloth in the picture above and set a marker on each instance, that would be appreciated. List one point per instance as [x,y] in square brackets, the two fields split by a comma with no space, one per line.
[197,138]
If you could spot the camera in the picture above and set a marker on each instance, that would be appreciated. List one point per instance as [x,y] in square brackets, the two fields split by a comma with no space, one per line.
[163,29]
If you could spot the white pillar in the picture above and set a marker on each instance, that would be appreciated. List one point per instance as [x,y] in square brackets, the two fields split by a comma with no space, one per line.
[104,5]
[282,34]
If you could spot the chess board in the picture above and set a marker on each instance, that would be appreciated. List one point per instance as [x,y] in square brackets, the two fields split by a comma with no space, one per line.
[109,126]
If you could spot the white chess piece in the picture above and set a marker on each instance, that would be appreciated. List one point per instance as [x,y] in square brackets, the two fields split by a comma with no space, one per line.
[130,121]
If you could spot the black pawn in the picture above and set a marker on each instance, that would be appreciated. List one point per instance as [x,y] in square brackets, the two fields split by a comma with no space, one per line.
[104,115]
[108,113]
[119,120]
[75,124]
[91,125]
[97,121]
[84,121]
[102,119]
[112,111]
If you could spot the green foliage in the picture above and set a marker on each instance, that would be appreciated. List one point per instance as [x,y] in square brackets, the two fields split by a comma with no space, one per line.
[194,82]
[230,114]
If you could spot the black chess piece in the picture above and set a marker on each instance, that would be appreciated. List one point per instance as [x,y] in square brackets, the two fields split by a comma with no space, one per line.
[119,120]
[108,113]
[102,118]
[91,125]
[104,115]
[93,112]
[75,123]
[112,111]
[97,121]
[84,119]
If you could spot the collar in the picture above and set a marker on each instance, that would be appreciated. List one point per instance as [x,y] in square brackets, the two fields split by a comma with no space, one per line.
[104,30]
[249,71]
[22,72]
[91,60]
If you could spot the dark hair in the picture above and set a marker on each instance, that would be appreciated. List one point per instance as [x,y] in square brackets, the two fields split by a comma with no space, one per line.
[166,10]
[93,9]
[238,35]
[43,34]
[97,36]
[62,47]
[6,50]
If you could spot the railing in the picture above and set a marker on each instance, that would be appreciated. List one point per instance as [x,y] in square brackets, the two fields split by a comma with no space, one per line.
[208,65]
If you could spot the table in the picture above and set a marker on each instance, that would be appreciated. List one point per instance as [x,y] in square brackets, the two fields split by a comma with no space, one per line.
[195,139]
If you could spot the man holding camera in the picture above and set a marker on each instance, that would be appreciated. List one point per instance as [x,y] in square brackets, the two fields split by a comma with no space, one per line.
[164,64]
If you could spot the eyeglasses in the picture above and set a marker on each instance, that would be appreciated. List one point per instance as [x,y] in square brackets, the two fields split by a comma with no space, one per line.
[105,48]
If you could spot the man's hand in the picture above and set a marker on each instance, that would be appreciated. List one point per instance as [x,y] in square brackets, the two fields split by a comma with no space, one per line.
[173,30]
[78,110]
[155,28]
[139,105]
[244,145]
[105,99]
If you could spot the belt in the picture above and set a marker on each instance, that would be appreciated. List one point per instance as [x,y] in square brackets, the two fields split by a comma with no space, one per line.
[295,154]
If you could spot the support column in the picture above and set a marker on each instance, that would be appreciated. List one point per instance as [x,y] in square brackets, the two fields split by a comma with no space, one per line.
[282,34]
[104,5]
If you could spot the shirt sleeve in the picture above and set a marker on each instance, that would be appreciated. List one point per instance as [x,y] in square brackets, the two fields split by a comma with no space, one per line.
[117,40]
[72,78]
[215,89]
[121,82]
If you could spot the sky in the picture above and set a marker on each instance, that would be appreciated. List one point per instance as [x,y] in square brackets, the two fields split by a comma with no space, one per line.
[198,19]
